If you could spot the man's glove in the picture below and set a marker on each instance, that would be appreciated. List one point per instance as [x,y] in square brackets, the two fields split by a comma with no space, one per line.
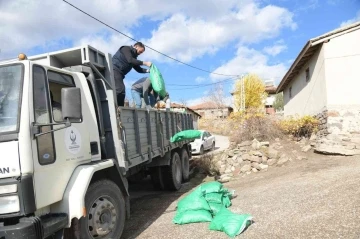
[148,107]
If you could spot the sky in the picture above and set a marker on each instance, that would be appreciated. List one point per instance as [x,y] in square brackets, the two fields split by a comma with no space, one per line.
[230,37]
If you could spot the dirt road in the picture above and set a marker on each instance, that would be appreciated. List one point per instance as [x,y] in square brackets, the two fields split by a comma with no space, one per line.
[221,143]
[315,198]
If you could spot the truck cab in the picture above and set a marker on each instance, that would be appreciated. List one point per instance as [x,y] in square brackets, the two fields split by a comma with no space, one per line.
[67,149]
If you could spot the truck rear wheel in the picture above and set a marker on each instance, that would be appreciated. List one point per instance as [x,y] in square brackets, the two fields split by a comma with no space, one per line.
[172,174]
[185,165]
[105,209]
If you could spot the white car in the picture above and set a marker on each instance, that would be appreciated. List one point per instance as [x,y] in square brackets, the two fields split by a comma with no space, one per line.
[206,142]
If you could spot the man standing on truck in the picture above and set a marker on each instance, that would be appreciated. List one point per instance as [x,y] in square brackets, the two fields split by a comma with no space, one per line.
[123,61]
[143,89]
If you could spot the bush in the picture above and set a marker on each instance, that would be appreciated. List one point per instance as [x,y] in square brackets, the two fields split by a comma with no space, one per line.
[206,163]
[254,124]
[300,126]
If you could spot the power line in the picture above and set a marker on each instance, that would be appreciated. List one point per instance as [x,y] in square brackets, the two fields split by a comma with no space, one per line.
[195,67]
[204,85]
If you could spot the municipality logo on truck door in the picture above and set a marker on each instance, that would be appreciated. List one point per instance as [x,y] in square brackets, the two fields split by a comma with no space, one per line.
[72,140]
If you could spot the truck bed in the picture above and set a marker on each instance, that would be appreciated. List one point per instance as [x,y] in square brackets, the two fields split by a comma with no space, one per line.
[147,136]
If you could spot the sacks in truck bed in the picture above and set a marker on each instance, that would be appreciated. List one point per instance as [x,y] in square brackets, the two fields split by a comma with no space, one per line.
[186,134]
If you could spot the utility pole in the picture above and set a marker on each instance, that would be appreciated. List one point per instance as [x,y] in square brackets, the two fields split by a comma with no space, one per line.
[242,93]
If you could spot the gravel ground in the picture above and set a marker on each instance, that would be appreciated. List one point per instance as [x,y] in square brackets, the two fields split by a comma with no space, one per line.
[315,198]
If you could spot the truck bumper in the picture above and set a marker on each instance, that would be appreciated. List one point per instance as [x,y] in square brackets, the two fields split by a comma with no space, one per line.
[34,227]
[28,227]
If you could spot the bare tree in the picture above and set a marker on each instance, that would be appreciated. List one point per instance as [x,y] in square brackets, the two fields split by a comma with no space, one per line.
[216,97]
[183,102]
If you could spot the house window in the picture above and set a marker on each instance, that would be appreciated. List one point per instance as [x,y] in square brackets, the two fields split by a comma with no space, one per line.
[290,92]
[307,74]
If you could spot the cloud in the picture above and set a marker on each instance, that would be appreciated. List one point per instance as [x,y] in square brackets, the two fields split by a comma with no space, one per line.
[108,43]
[199,79]
[275,50]
[183,31]
[350,21]
[187,38]
[248,60]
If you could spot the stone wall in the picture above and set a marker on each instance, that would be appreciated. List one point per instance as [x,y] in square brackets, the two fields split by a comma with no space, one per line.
[344,120]
[323,127]
[341,132]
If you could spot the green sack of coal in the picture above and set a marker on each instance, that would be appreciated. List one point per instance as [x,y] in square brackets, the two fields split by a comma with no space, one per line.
[157,81]
[211,187]
[231,223]
[186,134]
[192,217]
[220,197]
[214,197]
[193,201]
[226,200]
[215,207]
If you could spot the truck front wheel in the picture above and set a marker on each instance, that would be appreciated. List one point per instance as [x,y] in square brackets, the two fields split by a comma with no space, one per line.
[105,209]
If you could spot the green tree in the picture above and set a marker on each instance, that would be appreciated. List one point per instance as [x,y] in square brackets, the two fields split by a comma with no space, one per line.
[279,102]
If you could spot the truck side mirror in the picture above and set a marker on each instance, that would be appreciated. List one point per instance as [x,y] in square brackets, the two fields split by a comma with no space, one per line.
[71,103]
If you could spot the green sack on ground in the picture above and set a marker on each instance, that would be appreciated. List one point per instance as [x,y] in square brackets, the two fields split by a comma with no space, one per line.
[192,216]
[193,201]
[211,187]
[157,81]
[221,198]
[186,134]
[226,201]
[215,207]
[214,197]
[230,223]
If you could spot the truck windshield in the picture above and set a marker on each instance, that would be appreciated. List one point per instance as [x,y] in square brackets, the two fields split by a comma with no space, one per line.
[11,77]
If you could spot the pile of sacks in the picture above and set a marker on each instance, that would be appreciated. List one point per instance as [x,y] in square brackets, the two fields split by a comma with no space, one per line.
[209,203]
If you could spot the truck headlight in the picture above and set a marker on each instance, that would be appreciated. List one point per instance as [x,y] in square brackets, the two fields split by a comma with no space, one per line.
[9,204]
[12,188]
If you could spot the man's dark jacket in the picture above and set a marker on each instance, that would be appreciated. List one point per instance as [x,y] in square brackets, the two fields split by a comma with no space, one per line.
[125,59]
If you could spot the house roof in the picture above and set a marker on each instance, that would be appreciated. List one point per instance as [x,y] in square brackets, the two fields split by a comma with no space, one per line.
[180,106]
[208,105]
[308,51]
[270,89]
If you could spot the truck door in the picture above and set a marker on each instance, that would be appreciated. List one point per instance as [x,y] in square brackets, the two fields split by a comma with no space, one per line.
[58,153]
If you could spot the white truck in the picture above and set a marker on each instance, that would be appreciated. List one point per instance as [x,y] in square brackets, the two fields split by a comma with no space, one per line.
[68,150]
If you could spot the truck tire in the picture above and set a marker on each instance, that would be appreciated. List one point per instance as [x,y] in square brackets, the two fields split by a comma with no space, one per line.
[105,211]
[172,174]
[156,175]
[185,165]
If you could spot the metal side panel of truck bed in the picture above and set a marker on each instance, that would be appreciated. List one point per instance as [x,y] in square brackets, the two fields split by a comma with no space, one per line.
[147,135]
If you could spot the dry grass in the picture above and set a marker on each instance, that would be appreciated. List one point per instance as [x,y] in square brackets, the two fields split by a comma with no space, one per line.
[215,126]
[260,128]
[248,126]
[206,164]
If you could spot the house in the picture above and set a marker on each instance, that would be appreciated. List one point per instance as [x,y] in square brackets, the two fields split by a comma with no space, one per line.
[270,89]
[212,110]
[324,81]
[183,109]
